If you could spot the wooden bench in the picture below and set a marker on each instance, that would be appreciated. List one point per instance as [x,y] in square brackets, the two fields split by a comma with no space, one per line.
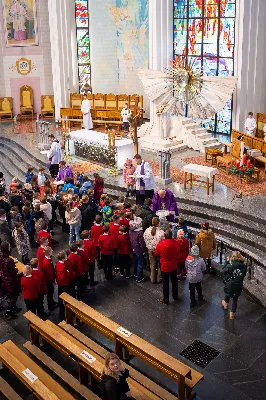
[260,159]
[95,121]
[169,366]
[134,374]
[73,349]
[17,362]
[7,391]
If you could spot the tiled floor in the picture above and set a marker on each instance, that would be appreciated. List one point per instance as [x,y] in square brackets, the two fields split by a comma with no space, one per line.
[238,373]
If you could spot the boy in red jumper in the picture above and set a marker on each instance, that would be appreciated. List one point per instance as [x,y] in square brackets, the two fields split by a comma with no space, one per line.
[114,233]
[76,261]
[36,273]
[85,260]
[96,231]
[40,252]
[44,233]
[30,287]
[91,251]
[62,277]
[124,250]
[106,246]
[49,274]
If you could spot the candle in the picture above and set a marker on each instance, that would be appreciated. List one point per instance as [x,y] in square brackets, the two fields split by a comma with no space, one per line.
[233,161]
[244,159]
[248,164]
[237,165]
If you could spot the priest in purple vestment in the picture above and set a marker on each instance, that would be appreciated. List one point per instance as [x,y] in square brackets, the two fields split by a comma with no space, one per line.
[165,200]
[64,172]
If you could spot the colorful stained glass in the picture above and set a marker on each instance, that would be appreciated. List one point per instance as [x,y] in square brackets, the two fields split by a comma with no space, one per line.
[82,22]
[205,29]
[83,55]
[82,9]
[83,42]
[83,37]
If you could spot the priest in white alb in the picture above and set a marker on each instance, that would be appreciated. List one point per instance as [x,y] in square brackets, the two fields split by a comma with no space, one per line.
[250,125]
[86,111]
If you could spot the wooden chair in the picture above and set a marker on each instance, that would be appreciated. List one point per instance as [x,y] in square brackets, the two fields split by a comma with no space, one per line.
[261,122]
[90,97]
[121,100]
[99,101]
[26,101]
[6,108]
[114,115]
[47,106]
[66,112]
[7,391]
[75,100]
[111,101]
[226,159]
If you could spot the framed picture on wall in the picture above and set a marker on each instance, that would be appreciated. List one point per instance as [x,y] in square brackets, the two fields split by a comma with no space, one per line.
[20,21]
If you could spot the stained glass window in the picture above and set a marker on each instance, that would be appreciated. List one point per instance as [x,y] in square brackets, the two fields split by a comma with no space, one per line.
[83,41]
[205,30]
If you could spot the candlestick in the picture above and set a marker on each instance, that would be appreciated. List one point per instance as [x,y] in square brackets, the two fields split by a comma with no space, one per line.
[237,164]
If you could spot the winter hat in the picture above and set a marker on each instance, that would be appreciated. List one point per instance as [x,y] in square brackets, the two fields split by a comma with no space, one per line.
[205,225]
[194,251]
[136,223]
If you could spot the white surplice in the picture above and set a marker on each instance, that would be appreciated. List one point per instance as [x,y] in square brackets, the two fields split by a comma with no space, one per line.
[250,126]
[86,111]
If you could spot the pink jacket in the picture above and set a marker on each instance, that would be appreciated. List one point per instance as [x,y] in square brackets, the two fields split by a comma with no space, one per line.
[126,173]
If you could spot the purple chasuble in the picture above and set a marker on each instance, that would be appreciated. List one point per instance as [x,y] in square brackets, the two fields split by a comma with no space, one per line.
[168,203]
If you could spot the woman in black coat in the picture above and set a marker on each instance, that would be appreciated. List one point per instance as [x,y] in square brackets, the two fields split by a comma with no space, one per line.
[235,270]
[114,379]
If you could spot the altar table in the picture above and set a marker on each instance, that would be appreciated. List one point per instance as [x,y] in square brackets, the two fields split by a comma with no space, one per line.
[204,172]
[124,147]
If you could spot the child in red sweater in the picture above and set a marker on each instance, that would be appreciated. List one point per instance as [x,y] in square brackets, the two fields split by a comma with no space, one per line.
[62,277]
[44,233]
[49,274]
[85,260]
[96,231]
[106,246]
[31,290]
[124,250]
[91,251]
[36,273]
[114,233]
[76,262]
[183,252]
[40,252]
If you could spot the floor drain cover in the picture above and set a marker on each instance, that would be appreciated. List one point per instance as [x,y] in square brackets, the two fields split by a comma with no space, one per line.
[200,353]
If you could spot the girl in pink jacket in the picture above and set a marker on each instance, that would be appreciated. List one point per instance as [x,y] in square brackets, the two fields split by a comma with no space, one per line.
[130,182]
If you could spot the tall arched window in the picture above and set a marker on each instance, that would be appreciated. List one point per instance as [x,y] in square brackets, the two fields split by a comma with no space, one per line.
[205,30]
[83,40]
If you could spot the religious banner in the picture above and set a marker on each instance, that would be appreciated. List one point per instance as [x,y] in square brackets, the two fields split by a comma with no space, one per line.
[20,23]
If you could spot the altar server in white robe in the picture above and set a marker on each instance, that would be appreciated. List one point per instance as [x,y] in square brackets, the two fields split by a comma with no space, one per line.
[86,111]
[250,125]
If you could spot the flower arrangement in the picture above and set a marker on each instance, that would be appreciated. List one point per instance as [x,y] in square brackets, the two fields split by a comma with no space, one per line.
[241,171]
[92,151]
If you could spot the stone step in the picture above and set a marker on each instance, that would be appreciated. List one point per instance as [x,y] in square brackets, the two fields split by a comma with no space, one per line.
[209,140]
[213,145]
[193,126]
[32,155]
[187,121]
[203,135]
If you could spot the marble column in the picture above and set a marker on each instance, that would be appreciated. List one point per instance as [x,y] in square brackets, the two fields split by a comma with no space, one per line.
[250,60]
[63,51]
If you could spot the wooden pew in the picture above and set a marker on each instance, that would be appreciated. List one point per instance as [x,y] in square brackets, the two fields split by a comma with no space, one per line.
[44,387]
[174,369]
[75,351]
[7,391]
[134,374]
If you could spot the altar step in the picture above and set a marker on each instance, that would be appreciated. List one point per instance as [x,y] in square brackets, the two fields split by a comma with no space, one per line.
[198,138]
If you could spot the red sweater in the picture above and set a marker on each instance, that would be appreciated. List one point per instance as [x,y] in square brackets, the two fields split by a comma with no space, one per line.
[36,273]
[123,244]
[70,269]
[40,256]
[48,269]
[30,287]
[114,233]
[85,259]
[167,250]
[96,232]
[124,221]
[62,274]
[77,264]
[106,245]
[47,235]
[183,250]
[90,249]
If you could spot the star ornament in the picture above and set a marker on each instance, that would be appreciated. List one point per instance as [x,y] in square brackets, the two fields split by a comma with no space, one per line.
[183,85]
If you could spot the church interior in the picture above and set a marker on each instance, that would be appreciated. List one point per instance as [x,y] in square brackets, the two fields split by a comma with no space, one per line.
[132,197]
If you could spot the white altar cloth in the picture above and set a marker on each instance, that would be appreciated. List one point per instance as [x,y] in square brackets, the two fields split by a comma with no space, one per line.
[124,147]
[200,170]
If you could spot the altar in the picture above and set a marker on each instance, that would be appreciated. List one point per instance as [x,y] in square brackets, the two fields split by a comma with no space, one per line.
[94,146]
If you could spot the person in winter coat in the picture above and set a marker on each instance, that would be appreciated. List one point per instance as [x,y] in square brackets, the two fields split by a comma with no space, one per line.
[22,242]
[9,280]
[29,225]
[4,202]
[69,184]
[195,266]
[29,174]
[114,379]
[98,186]
[181,225]
[5,232]
[16,199]
[86,185]
[87,213]
[167,250]
[183,251]
[46,207]
[73,218]
[152,236]
[146,214]
[206,243]
[138,247]
[107,211]
[130,182]
[235,270]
